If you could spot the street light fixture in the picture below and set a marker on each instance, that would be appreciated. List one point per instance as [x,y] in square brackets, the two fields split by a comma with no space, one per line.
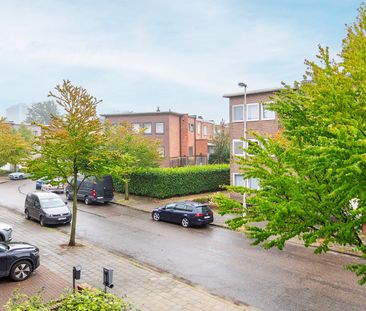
[244,85]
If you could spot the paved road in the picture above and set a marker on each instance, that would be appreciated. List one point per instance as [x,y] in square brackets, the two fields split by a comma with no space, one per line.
[219,260]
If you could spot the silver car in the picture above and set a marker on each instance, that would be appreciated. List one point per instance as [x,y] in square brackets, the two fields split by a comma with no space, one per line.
[6,232]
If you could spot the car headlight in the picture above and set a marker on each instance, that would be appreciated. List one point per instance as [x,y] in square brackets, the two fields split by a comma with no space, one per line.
[35,253]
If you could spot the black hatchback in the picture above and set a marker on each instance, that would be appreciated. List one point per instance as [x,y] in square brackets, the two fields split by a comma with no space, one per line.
[186,213]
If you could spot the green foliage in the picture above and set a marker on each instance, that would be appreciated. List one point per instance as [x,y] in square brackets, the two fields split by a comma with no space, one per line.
[221,152]
[81,301]
[14,149]
[128,150]
[202,200]
[42,112]
[72,144]
[169,182]
[314,171]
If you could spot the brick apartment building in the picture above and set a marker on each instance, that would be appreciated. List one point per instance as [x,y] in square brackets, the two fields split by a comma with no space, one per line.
[258,119]
[184,139]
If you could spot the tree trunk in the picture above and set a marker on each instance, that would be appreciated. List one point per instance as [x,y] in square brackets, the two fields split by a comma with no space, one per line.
[74,210]
[127,195]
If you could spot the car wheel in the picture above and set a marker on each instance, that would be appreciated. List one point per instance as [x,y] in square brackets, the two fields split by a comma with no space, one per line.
[26,214]
[68,196]
[41,221]
[21,177]
[2,239]
[21,271]
[156,216]
[87,201]
[185,222]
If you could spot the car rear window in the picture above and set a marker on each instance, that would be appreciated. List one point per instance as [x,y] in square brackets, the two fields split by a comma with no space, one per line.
[203,209]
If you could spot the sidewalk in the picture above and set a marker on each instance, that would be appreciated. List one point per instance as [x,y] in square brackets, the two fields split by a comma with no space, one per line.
[148,204]
[142,286]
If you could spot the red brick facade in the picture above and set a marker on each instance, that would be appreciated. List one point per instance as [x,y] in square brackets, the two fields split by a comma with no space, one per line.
[181,140]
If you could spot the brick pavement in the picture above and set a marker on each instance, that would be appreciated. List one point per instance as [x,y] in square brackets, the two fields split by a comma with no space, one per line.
[143,286]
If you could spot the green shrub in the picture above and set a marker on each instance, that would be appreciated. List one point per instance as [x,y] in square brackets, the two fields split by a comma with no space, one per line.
[169,182]
[81,301]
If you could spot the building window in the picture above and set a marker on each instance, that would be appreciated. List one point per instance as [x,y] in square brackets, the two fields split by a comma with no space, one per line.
[159,128]
[136,127]
[205,130]
[238,147]
[147,127]
[161,151]
[253,183]
[190,151]
[237,113]
[191,127]
[252,112]
[267,114]
[238,180]
[198,128]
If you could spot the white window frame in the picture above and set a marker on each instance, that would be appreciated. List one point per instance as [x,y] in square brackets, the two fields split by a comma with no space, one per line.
[136,126]
[161,151]
[156,128]
[247,183]
[232,113]
[262,112]
[233,146]
[199,128]
[205,130]
[145,132]
[247,114]
[238,174]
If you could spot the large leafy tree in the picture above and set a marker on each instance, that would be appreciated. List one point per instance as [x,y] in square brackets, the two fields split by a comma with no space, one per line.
[129,150]
[14,149]
[42,112]
[71,144]
[313,173]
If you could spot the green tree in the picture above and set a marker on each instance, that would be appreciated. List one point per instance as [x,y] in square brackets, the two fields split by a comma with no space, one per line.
[42,112]
[313,173]
[221,154]
[72,144]
[129,150]
[14,149]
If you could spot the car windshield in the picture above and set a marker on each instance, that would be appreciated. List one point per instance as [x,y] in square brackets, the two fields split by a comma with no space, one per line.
[51,202]
[203,209]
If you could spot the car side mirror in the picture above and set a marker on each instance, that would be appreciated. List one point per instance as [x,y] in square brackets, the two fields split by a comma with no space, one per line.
[163,208]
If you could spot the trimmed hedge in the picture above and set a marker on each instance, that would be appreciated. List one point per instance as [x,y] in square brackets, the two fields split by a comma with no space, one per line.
[169,182]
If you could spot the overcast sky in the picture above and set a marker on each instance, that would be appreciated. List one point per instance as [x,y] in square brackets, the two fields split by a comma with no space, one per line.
[179,55]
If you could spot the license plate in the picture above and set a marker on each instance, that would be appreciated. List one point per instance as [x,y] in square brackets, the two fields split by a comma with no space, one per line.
[62,218]
[207,217]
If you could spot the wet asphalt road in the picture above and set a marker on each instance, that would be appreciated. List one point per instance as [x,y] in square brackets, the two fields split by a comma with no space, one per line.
[217,259]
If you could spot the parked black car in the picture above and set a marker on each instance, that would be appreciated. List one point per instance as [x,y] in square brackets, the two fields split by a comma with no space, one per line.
[46,207]
[186,213]
[18,260]
[93,190]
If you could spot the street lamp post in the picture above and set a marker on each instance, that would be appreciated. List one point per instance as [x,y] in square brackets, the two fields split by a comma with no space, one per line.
[243,85]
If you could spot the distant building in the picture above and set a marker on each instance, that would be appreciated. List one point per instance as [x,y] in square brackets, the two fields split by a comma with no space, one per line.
[184,139]
[257,118]
[17,113]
